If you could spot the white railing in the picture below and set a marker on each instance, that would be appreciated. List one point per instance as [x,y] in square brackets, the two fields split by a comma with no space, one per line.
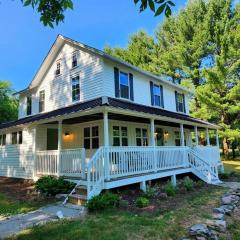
[47,163]
[124,161]
[72,162]
[210,154]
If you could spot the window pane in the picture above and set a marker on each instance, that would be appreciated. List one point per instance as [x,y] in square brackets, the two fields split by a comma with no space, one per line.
[156,100]
[87,143]
[95,143]
[145,133]
[94,131]
[87,132]
[20,137]
[139,142]
[116,141]
[180,107]
[14,138]
[124,132]
[116,131]
[145,142]
[75,89]
[124,78]
[124,90]
[138,132]
[156,90]
[4,139]
[29,105]
[124,142]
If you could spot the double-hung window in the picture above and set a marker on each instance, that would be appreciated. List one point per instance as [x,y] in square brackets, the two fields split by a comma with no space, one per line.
[14,138]
[58,68]
[74,59]
[180,103]
[157,95]
[29,105]
[42,101]
[75,89]
[3,140]
[91,137]
[120,136]
[124,85]
[141,137]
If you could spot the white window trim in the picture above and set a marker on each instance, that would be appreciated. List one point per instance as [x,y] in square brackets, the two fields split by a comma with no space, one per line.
[124,85]
[178,94]
[74,76]
[76,53]
[141,128]
[160,93]
[120,132]
[39,95]
[91,137]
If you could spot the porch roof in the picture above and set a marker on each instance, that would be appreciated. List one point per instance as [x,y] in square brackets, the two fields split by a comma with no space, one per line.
[105,101]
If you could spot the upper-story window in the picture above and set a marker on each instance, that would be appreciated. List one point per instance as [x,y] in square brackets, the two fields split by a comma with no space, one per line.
[58,68]
[124,85]
[3,140]
[17,137]
[29,105]
[74,59]
[14,138]
[180,102]
[75,89]
[42,101]
[156,95]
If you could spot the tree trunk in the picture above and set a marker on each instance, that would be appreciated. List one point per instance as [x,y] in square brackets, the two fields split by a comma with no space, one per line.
[225,147]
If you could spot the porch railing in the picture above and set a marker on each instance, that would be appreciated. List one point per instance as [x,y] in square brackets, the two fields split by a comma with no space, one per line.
[69,162]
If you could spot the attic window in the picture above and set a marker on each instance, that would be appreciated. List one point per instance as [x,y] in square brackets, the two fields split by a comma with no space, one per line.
[58,70]
[74,59]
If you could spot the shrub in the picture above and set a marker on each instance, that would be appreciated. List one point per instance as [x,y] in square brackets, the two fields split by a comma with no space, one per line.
[150,192]
[170,189]
[188,183]
[51,185]
[123,203]
[199,184]
[103,201]
[142,202]
[224,175]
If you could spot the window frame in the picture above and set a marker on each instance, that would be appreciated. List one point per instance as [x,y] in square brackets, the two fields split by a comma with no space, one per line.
[142,138]
[58,68]
[155,95]
[20,137]
[75,55]
[128,85]
[91,138]
[3,139]
[74,88]
[29,105]
[180,95]
[14,138]
[41,106]
[120,136]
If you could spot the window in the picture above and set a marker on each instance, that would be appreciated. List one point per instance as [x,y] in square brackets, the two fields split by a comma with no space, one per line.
[180,105]
[3,140]
[75,89]
[157,95]
[41,101]
[29,105]
[120,136]
[74,60]
[178,138]
[14,138]
[91,137]
[58,70]
[141,137]
[20,138]
[124,85]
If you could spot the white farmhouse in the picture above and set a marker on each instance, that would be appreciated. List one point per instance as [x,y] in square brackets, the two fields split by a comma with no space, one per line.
[104,123]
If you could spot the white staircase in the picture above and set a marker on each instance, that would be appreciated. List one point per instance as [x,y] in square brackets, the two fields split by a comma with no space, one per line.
[122,164]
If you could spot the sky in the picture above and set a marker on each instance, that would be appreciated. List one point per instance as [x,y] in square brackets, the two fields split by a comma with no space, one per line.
[24,41]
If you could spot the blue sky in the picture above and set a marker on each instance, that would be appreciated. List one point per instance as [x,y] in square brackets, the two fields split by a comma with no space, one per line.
[24,41]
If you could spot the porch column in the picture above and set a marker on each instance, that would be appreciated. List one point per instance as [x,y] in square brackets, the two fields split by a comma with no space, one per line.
[106,144]
[182,134]
[217,139]
[207,137]
[196,135]
[152,133]
[34,132]
[59,146]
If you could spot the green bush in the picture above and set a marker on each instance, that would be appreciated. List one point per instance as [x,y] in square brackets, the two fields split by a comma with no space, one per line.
[188,183]
[170,189]
[142,202]
[150,192]
[224,175]
[51,185]
[199,184]
[103,201]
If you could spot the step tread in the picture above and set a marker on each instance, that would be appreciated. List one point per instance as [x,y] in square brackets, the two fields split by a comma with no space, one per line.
[78,196]
[81,187]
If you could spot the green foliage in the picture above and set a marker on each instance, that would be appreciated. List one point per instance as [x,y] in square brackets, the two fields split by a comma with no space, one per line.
[103,201]
[188,183]
[199,184]
[9,105]
[51,185]
[150,192]
[142,202]
[170,189]
[224,175]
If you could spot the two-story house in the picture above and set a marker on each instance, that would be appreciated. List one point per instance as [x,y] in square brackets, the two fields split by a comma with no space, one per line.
[89,116]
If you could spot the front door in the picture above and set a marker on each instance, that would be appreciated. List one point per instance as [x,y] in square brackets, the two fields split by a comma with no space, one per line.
[159,136]
[52,139]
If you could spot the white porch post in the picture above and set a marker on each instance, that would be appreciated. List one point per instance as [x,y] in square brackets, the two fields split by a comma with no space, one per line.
[217,139]
[59,146]
[207,137]
[196,135]
[34,132]
[106,143]
[182,134]
[153,144]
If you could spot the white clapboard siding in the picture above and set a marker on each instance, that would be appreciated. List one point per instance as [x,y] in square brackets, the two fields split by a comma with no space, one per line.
[17,160]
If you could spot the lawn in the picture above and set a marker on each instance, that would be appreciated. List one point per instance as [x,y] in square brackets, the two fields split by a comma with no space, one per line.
[122,224]
[232,165]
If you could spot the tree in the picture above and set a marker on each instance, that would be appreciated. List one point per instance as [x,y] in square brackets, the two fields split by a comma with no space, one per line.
[52,11]
[9,105]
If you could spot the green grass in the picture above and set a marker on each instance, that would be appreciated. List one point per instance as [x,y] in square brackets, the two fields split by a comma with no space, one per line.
[9,206]
[123,225]
[232,165]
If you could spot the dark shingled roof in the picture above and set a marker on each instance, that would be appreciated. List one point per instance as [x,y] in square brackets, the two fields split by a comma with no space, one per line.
[105,101]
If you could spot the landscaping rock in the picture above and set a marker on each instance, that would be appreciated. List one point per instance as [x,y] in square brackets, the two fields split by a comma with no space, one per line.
[229,199]
[199,230]
[228,209]
[218,211]
[218,216]
[201,238]
[218,225]
[162,196]
[61,196]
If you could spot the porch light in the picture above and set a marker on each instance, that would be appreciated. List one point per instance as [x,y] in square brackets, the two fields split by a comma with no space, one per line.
[67,134]
[166,133]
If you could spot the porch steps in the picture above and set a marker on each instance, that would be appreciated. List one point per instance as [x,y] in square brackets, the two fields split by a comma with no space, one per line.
[79,197]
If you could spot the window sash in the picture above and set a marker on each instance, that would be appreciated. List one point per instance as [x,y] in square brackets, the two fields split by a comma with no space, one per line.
[29,105]
[75,89]
[141,137]
[74,60]
[91,137]
[120,136]
[124,85]
[58,68]
[42,101]
[180,102]
[157,95]
[14,138]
